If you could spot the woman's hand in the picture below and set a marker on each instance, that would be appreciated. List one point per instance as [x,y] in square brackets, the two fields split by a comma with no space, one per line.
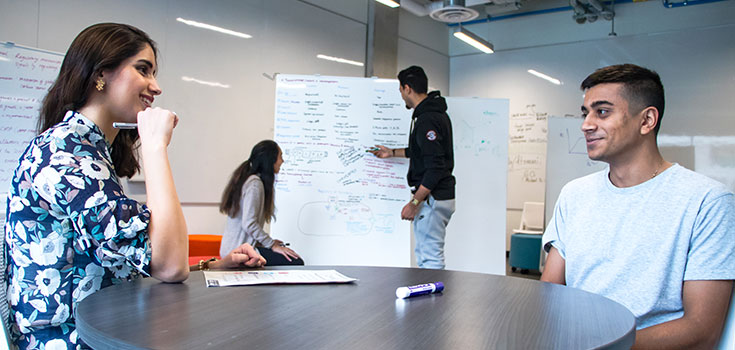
[280,248]
[155,126]
[242,256]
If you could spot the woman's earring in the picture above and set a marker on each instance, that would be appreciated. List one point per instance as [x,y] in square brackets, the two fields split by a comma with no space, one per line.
[100,84]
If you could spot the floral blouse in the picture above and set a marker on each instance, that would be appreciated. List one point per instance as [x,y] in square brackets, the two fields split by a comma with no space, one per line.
[70,231]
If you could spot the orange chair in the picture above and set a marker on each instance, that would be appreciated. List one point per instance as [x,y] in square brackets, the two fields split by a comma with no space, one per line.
[203,247]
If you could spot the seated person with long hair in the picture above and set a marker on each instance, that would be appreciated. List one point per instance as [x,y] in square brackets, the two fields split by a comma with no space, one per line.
[248,203]
[70,229]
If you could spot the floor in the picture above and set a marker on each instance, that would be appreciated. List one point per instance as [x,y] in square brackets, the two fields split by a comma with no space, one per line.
[532,274]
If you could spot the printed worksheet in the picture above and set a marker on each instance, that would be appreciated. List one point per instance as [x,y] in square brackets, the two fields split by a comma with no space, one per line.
[249,278]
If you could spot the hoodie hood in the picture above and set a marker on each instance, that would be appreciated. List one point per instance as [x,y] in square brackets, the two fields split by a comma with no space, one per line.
[434,102]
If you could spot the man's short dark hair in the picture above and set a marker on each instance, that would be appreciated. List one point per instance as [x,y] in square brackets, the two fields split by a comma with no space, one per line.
[641,87]
[415,78]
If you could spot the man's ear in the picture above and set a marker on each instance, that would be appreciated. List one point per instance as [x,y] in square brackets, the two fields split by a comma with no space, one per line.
[407,89]
[649,120]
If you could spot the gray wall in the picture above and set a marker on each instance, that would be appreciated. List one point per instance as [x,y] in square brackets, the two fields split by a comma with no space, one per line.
[691,47]
[219,125]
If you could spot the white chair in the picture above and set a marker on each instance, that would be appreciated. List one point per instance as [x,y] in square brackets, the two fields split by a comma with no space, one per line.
[532,219]
[727,341]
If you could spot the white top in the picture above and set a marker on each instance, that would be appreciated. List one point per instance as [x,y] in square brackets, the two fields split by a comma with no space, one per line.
[637,245]
[247,226]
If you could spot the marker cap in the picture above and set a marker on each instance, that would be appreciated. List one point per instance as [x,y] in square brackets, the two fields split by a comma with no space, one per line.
[421,289]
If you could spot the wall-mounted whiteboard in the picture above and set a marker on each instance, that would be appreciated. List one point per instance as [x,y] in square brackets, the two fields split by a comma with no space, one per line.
[336,203]
[476,233]
[566,158]
[26,74]
[526,157]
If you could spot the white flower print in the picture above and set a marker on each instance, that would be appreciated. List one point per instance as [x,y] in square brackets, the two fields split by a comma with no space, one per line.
[20,231]
[111,229]
[17,204]
[48,281]
[31,162]
[90,283]
[44,183]
[14,288]
[19,257]
[94,169]
[75,181]
[79,126]
[116,264]
[96,199]
[62,158]
[55,344]
[61,314]
[48,250]
[73,336]
[38,304]
[121,271]
[131,229]
[23,323]
[60,133]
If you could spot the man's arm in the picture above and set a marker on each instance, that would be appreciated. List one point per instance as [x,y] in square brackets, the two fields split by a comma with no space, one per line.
[554,269]
[705,308]
[381,151]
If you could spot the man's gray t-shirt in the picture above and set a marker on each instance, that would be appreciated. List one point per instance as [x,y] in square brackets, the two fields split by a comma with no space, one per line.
[637,245]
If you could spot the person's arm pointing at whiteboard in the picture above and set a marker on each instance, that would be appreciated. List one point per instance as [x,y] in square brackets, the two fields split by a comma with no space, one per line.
[385,152]
[409,210]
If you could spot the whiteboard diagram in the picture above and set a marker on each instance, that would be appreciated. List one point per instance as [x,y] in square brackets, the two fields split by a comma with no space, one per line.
[335,218]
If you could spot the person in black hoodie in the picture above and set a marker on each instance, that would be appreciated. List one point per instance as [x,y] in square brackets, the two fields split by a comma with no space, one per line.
[430,176]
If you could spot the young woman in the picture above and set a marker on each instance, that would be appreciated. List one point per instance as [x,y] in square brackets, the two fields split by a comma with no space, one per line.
[248,203]
[70,230]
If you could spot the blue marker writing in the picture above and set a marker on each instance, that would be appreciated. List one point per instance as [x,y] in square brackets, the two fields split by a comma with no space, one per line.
[421,289]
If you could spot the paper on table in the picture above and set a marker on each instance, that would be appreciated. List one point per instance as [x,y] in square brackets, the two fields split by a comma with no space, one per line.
[248,278]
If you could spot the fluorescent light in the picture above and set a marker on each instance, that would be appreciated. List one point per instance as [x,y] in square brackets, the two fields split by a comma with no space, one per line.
[4,59]
[208,83]
[474,40]
[390,3]
[340,60]
[215,28]
[545,77]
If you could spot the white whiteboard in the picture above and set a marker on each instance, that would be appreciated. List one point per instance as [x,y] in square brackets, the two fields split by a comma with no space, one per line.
[26,74]
[476,233]
[566,158]
[336,203]
[526,157]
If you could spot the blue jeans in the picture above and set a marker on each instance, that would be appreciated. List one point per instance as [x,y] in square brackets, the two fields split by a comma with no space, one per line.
[430,228]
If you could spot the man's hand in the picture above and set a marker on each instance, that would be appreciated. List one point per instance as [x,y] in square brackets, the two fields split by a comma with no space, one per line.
[242,256]
[409,211]
[382,152]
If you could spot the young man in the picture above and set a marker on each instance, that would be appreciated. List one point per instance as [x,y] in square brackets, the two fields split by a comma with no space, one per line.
[649,234]
[430,176]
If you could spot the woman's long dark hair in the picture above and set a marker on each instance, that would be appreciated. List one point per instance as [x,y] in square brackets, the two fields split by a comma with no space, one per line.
[99,47]
[261,161]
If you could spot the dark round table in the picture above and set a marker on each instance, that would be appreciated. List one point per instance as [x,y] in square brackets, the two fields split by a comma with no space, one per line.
[475,311]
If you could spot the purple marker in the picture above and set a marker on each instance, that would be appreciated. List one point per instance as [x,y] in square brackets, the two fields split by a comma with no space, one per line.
[421,289]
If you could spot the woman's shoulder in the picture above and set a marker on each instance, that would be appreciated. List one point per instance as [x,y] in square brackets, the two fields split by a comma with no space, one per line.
[253,181]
